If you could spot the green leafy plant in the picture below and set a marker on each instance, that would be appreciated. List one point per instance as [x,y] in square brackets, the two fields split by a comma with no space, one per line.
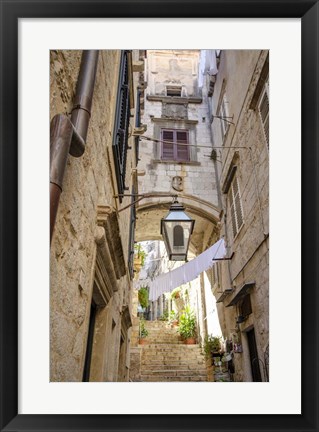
[143,331]
[173,316]
[143,297]
[211,345]
[187,323]
[164,317]
[140,253]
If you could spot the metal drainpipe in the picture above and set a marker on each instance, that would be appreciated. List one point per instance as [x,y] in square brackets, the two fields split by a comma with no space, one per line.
[69,135]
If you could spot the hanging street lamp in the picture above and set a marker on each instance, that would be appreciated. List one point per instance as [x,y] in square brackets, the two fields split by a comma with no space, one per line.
[176,229]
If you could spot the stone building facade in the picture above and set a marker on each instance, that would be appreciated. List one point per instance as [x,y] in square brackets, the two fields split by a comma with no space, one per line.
[93,243]
[240,128]
[175,154]
[223,115]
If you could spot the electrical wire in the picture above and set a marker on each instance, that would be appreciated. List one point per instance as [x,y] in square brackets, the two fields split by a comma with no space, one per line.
[159,141]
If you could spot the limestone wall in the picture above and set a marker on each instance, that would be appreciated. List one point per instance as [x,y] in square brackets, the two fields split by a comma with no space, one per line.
[196,177]
[198,174]
[89,182]
[238,76]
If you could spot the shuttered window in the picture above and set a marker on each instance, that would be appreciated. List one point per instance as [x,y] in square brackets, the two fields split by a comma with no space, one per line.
[131,242]
[236,211]
[137,123]
[121,124]
[175,145]
[224,116]
[263,108]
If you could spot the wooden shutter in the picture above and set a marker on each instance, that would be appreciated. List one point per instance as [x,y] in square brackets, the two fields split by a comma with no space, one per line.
[168,144]
[121,124]
[232,211]
[239,213]
[132,234]
[182,150]
[236,211]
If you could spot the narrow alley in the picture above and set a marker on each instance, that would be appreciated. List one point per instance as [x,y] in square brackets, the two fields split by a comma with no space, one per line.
[159,215]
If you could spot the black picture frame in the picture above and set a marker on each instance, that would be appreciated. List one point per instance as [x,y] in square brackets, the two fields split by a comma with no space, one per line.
[11,11]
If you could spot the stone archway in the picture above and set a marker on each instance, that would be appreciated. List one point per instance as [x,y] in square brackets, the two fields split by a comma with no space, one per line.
[152,210]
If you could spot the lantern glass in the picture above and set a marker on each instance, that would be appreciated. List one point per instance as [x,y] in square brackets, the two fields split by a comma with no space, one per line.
[176,229]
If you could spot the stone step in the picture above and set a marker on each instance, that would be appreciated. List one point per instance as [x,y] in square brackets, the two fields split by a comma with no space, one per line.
[169,347]
[172,360]
[164,378]
[178,374]
[174,371]
[171,353]
[172,364]
[174,355]
[163,342]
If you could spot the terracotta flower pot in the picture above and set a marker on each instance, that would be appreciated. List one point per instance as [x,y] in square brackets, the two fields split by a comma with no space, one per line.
[142,341]
[190,341]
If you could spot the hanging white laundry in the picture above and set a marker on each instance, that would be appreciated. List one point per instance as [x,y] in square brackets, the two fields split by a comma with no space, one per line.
[166,282]
[202,68]
[211,62]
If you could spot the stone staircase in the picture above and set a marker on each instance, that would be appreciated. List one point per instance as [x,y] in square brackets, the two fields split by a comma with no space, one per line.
[166,358]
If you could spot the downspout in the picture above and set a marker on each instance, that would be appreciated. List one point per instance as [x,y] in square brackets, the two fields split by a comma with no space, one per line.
[69,135]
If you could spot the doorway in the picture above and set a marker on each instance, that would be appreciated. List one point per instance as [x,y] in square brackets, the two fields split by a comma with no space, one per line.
[253,353]
[89,345]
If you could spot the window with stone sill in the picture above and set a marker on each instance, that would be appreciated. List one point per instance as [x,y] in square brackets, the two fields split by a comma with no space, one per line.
[175,145]
[235,204]
[263,109]
[174,91]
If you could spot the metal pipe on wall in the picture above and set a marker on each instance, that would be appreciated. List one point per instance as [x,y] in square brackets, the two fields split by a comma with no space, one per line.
[69,135]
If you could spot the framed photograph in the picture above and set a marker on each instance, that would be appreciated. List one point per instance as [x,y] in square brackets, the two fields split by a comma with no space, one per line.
[57,311]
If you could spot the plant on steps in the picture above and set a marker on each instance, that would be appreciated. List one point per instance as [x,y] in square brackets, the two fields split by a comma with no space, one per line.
[143,333]
[143,297]
[139,254]
[212,345]
[173,318]
[176,293]
[187,326]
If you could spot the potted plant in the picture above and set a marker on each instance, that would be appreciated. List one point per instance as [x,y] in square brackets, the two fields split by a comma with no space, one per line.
[143,333]
[173,318]
[176,293]
[143,297]
[164,316]
[212,346]
[139,257]
[187,326]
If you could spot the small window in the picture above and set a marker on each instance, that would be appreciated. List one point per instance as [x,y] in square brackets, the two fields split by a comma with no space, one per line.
[245,307]
[224,116]
[175,145]
[235,204]
[263,108]
[174,91]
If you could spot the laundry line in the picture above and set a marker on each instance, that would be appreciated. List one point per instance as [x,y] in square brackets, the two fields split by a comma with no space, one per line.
[166,282]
